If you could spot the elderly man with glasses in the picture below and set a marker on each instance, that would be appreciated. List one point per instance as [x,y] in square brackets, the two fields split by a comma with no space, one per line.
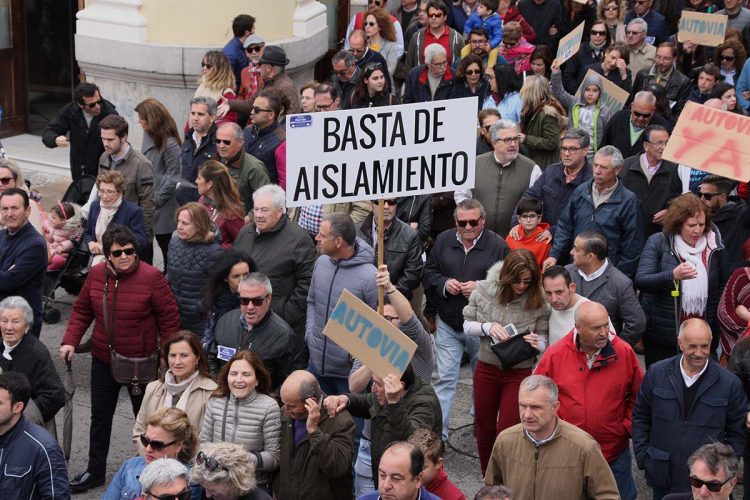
[657,24]
[625,129]
[642,53]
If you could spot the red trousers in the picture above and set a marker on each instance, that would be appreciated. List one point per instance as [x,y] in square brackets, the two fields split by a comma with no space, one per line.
[495,405]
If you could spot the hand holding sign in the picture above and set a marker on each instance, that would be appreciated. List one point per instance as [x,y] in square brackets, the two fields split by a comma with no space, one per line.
[702,29]
[393,389]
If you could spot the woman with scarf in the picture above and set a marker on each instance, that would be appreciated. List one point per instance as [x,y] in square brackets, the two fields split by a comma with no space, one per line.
[505,97]
[186,384]
[681,275]
[110,208]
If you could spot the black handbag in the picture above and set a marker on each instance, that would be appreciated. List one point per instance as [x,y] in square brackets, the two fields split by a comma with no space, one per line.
[513,351]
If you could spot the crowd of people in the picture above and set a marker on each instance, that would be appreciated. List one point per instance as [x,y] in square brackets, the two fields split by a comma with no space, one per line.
[578,248]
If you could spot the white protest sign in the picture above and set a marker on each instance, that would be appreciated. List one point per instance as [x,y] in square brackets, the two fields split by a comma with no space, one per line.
[367,154]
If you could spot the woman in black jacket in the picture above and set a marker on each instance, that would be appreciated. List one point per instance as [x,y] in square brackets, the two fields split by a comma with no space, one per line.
[373,89]
[470,80]
[681,274]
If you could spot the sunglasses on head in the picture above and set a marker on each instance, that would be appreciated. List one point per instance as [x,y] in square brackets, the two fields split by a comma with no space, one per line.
[94,104]
[469,222]
[153,443]
[183,495]
[118,253]
[6,180]
[257,301]
[712,486]
[210,463]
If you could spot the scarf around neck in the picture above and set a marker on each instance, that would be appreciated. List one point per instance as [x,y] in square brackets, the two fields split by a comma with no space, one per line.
[181,389]
[694,291]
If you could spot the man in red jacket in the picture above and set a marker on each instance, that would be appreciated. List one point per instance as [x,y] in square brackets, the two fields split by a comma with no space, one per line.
[598,376]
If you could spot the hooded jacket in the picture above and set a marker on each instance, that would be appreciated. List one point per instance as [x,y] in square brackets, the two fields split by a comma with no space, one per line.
[573,105]
[329,279]
[542,131]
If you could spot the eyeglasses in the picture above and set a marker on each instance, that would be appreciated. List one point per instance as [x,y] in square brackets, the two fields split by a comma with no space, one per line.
[205,65]
[631,32]
[210,463]
[118,253]
[257,301]
[528,216]
[468,222]
[712,486]
[477,42]
[390,202]
[104,192]
[153,443]
[390,318]
[510,140]
[435,15]
[6,180]
[472,72]
[597,32]
[370,24]
[709,196]
[226,142]
[185,494]
[566,149]
[658,144]
[439,64]
[611,8]
[254,48]
[323,107]
[642,115]
[94,104]
[257,110]
[352,50]
[522,282]
[726,58]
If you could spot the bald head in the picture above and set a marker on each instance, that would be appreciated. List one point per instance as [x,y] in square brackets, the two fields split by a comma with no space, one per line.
[589,312]
[715,103]
[695,329]
[299,387]
[592,326]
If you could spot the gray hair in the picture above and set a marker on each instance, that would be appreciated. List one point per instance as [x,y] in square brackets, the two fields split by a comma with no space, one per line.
[469,204]
[19,303]
[684,325]
[162,471]
[235,467]
[645,96]
[534,382]
[496,492]
[310,389]
[275,192]
[209,102]
[578,134]
[640,22]
[614,153]
[257,279]
[233,127]
[717,456]
[432,50]
[503,124]
[344,55]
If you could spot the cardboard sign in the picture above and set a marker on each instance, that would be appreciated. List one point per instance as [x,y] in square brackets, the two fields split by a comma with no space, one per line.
[613,96]
[711,140]
[569,44]
[384,152]
[702,29]
[367,336]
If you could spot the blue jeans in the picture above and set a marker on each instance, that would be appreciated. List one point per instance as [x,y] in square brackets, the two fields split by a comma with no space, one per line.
[622,470]
[450,346]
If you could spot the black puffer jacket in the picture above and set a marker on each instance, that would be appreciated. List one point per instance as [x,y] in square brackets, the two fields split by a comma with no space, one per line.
[417,208]
[32,358]
[733,221]
[187,272]
[655,280]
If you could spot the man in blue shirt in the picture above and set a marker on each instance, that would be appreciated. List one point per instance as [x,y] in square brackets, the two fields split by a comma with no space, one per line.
[242,27]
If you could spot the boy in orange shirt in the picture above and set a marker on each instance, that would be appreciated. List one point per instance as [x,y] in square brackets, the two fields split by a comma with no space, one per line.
[434,477]
[531,230]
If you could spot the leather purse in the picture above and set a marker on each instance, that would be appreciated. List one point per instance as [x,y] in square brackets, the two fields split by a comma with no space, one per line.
[128,371]
[513,351]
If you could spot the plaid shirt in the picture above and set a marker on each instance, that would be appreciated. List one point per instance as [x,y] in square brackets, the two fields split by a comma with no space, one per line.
[310,218]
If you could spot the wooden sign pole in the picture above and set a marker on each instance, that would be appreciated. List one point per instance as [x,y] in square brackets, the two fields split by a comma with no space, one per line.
[381,289]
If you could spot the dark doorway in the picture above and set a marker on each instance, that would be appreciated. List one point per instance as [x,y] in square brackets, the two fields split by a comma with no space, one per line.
[52,70]
[12,68]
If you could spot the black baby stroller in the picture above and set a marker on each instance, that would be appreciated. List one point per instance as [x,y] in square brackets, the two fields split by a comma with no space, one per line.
[71,277]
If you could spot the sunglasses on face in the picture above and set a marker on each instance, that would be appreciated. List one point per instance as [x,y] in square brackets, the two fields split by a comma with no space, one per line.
[257,301]
[726,58]
[642,115]
[118,253]
[470,72]
[708,196]
[371,24]
[226,142]
[391,202]
[469,222]
[205,65]
[183,495]
[597,32]
[254,48]
[435,15]
[712,486]
[631,32]
[153,443]
[94,104]
[611,8]
[570,150]
[6,180]
[522,282]
[257,110]
[210,463]
[376,3]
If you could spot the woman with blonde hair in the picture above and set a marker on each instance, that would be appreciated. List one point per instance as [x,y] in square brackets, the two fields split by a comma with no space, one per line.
[162,146]
[191,254]
[542,120]
[612,12]
[511,294]
[381,36]
[225,472]
[220,197]
[218,82]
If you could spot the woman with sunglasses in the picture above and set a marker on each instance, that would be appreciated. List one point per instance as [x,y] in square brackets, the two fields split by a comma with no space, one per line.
[510,295]
[140,314]
[169,434]
[470,80]
[11,177]
[186,385]
[220,196]
[218,82]
[373,89]
[191,254]
[381,36]
[225,472]
[242,412]
[680,274]
[730,56]
[612,12]
[111,208]
[162,146]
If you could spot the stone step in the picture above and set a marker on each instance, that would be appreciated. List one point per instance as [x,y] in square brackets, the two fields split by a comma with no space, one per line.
[37,159]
